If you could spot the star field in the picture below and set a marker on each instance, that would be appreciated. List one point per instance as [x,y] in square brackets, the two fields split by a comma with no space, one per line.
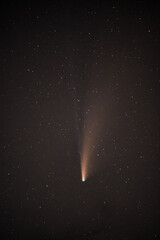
[71,70]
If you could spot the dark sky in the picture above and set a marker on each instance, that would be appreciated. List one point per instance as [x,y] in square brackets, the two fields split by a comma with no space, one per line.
[58,61]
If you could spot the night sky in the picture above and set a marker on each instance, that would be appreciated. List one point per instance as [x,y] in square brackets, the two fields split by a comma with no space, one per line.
[80,79]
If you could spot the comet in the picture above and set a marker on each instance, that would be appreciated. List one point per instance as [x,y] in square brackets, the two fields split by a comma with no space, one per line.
[92,130]
[86,156]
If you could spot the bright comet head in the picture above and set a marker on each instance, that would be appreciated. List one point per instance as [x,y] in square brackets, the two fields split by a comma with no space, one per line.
[83,180]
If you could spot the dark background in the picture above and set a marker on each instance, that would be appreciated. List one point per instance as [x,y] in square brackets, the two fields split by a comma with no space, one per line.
[55,58]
